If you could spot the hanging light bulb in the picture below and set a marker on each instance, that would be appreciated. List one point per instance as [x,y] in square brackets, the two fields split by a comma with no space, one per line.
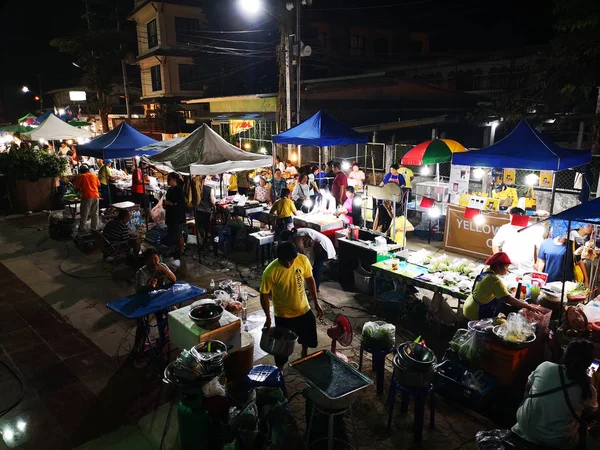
[478,173]
[425,171]
[345,165]
[531,179]
[434,212]
[479,219]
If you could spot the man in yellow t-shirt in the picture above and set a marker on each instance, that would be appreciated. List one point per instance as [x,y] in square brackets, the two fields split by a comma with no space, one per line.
[283,284]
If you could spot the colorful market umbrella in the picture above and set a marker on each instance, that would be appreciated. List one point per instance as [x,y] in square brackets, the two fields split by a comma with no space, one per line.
[28,119]
[79,123]
[432,152]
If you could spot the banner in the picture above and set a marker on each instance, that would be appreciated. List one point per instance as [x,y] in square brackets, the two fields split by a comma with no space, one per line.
[459,179]
[467,238]
[237,126]
[546,178]
[509,176]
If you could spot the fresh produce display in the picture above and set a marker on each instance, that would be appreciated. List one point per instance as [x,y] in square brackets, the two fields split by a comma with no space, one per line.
[378,335]
[578,293]
[445,271]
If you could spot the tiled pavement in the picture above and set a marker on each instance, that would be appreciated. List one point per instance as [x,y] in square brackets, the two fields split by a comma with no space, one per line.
[74,392]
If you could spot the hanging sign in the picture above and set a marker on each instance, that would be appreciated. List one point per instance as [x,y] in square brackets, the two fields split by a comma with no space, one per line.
[237,126]
[546,178]
[509,176]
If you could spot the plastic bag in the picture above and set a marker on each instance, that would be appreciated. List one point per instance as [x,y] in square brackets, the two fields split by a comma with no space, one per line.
[158,212]
[213,389]
[474,380]
[378,335]
[181,287]
[441,310]
[592,311]
[492,440]
[516,329]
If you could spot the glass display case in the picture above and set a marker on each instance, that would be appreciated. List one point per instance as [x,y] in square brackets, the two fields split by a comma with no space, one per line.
[432,189]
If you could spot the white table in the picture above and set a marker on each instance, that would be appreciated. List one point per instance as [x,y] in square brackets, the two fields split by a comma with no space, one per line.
[265,240]
[185,334]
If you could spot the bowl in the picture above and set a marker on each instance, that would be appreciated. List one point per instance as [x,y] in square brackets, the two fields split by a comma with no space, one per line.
[517,345]
[205,313]
[416,356]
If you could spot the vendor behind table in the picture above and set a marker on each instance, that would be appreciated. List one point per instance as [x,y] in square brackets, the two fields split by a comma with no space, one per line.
[489,292]
[520,246]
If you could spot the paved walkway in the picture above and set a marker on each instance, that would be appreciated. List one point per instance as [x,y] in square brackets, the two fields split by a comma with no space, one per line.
[70,350]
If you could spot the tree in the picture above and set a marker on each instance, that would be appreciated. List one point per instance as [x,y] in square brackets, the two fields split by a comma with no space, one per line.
[99,54]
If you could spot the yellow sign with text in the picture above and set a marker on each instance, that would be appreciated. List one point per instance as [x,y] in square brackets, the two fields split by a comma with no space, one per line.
[237,126]
[467,238]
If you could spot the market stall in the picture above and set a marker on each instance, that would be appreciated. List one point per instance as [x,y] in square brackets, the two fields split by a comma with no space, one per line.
[54,129]
[320,130]
[203,152]
[524,148]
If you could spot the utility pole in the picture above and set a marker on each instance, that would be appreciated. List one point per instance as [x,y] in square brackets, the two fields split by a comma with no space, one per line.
[288,87]
[298,62]
[123,70]
[41,92]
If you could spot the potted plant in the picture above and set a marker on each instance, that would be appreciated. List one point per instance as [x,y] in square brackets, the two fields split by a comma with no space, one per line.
[33,174]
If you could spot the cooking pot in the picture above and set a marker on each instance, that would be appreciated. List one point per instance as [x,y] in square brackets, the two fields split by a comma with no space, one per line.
[278,341]
[409,377]
[415,356]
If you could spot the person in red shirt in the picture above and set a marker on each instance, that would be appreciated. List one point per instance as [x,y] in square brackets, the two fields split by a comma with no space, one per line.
[88,185]
[139,181]
[340,182]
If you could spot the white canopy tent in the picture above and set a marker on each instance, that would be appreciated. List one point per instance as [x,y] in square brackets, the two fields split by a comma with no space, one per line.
[54,129]
[203,152]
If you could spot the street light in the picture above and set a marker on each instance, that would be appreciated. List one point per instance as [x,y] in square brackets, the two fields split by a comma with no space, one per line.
[251,7]
[25,89]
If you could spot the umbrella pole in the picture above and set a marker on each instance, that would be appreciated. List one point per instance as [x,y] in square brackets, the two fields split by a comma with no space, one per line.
[553,193]
[564,282]
[145,197]
[195,204]
[437,172]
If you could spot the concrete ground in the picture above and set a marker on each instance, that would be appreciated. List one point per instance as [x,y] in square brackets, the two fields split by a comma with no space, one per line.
[77,288]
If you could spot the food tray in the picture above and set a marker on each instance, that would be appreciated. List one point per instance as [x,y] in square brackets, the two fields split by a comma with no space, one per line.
[335,225]
[331,376]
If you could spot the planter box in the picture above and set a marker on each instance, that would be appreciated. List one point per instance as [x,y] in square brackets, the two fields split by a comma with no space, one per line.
[35,195]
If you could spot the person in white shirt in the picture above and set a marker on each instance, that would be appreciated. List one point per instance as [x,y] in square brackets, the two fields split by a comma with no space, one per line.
[290,169]
[279,164]
[521,248]
[322,247]
[549,416]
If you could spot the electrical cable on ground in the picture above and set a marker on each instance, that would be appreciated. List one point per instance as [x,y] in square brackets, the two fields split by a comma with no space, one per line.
[14,405]
[73,275]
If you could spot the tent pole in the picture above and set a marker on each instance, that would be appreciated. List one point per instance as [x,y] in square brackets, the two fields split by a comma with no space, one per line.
[107,181]
[564,275]
[553,193]
[195,204]
[145,197]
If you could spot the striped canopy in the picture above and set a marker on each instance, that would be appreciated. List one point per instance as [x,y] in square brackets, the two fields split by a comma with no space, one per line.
[432,152]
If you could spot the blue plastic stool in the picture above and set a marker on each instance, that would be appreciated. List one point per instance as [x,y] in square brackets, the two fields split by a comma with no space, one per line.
[378,357]
[224,236]
[420,395]
[264,375]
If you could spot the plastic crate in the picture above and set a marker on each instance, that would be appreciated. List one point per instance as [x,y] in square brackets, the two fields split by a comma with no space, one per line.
[448,376]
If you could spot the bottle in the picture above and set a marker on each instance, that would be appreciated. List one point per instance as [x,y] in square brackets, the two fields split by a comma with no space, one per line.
[212,286]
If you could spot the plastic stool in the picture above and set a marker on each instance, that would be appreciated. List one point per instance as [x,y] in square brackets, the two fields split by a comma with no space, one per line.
[264,375]
[224,239]
[331,414]
[420,394]
[378,357]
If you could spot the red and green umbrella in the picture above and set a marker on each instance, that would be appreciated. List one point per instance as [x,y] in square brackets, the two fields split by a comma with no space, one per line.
[432,152]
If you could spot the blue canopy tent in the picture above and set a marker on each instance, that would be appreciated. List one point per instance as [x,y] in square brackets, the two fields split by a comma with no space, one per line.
[525,148]
[320,130]
[588,212]
[121,142]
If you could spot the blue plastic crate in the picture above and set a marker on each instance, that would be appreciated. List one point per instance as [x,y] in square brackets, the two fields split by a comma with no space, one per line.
[448,376]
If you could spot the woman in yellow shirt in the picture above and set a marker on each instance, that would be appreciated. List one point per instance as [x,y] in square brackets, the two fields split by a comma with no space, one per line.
[284,208]
[489,291]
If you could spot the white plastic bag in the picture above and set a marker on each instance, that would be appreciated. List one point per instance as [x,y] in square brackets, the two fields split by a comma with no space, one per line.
[517,329]
[213,388]
[158,212]
[378,335]
[592,311]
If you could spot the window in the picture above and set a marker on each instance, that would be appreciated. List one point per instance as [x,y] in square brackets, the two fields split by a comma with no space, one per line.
[152,31]
[357,45]
[186,30]
[381,46]
[190,78]
[156,77]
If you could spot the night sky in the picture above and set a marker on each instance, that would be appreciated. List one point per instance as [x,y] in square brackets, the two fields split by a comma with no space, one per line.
[455,25]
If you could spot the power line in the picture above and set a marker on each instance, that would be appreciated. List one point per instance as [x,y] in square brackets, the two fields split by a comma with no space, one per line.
[355,8]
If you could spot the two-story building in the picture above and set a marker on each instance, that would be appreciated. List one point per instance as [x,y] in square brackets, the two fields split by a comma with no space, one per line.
[167,34]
